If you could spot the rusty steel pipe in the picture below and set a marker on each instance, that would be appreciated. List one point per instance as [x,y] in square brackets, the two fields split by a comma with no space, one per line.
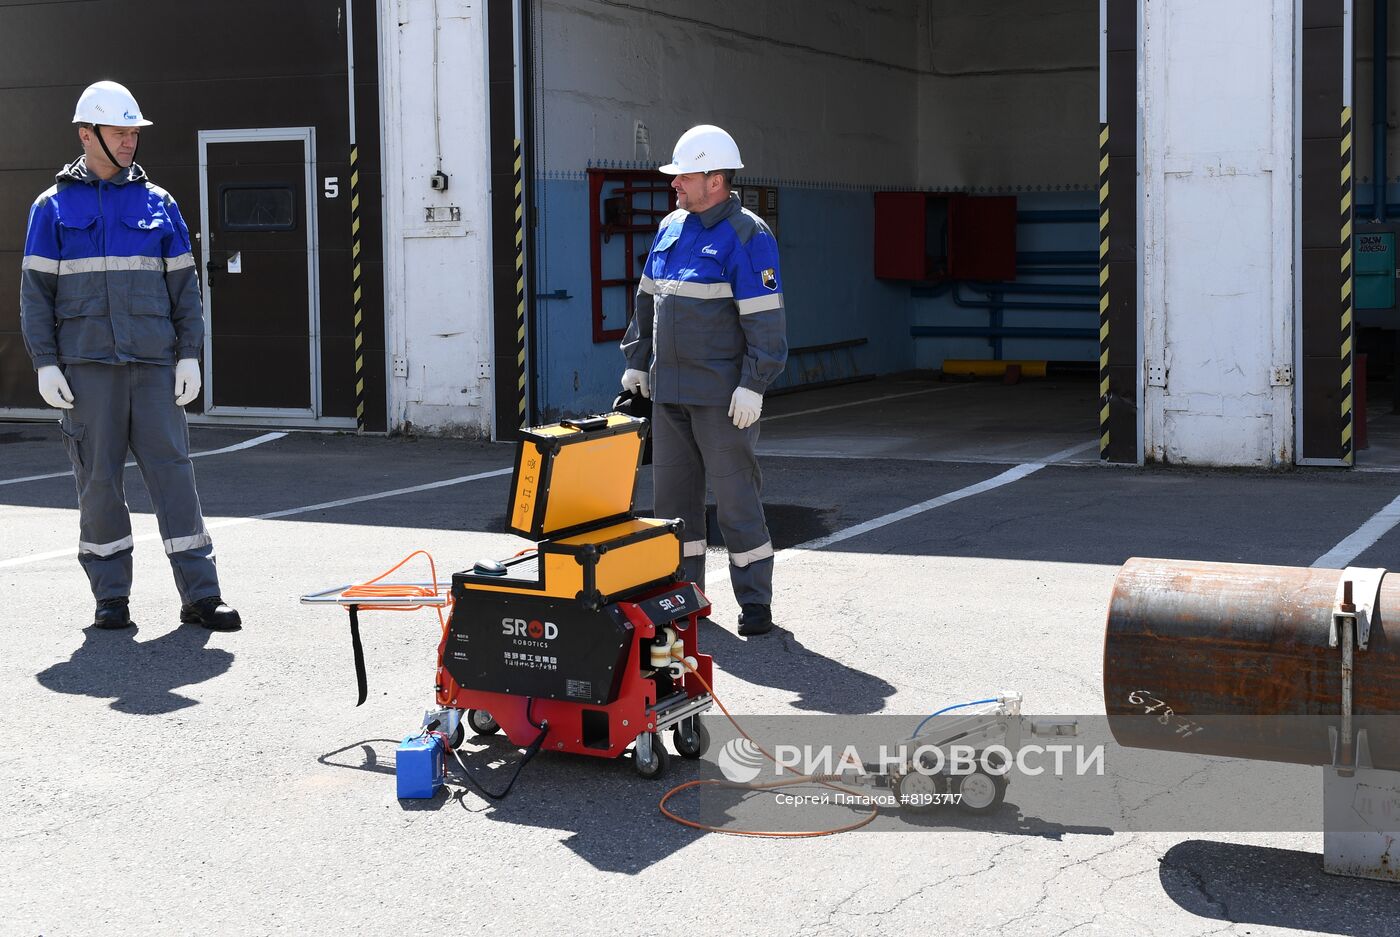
[1229,659]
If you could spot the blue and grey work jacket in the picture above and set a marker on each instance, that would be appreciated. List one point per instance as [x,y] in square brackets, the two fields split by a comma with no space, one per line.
[709,309]
[109,275]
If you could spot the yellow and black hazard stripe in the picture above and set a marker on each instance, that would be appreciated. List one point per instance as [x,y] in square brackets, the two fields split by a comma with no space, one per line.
[1348,455]
[357,287]
[521,414]
[1103,291]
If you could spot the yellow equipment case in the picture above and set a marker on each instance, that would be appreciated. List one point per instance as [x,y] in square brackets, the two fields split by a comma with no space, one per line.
[574,491]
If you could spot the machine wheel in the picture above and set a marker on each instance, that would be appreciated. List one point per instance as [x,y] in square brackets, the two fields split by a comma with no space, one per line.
[481,722]
[981,792]
[691,737]
[656,766]
[917,792]
[458,735]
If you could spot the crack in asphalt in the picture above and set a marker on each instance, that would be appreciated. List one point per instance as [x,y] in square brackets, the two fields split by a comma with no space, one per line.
[992,863]
[1045,886]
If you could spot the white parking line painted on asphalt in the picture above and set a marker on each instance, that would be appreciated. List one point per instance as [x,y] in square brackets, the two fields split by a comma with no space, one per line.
[859,403]
[286,512]
[894,517]
[376,496]
[718,561]
[246,444]
[1361,539]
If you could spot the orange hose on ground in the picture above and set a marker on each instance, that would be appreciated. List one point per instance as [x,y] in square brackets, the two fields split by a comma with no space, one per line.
[823,780]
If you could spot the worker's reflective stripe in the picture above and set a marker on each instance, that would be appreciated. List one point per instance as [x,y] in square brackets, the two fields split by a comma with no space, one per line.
[752,556]
[694,548]
[760,304]
[106,264]
[648,285]
[133,263]
[83,265]
[181,544]
[106,549]
[693,290]
[41,264]
[179,263]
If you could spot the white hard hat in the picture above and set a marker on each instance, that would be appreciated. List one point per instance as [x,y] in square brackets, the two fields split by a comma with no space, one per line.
[110,104]
[704,149]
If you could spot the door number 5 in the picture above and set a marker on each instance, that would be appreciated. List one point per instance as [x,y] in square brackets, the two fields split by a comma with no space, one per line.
[332,189]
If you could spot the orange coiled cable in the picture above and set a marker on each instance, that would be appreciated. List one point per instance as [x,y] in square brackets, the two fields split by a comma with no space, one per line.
[373,588]
[823,780]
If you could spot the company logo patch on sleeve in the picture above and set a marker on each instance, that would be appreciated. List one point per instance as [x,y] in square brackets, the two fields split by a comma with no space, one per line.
[770,278]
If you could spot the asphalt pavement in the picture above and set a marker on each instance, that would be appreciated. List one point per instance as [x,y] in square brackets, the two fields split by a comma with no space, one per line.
[166,780]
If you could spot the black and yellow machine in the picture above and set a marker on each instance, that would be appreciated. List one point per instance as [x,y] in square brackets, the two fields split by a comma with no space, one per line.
[584,642]
[590,631]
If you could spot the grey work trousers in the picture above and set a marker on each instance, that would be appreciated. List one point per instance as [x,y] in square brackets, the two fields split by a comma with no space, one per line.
[132,406]
[690,443]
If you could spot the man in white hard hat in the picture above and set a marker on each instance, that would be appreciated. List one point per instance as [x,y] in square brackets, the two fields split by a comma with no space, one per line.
[706,339]
[111,316]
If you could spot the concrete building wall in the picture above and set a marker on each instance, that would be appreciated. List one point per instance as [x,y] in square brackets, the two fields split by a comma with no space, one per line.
[817,92]
[1008,94]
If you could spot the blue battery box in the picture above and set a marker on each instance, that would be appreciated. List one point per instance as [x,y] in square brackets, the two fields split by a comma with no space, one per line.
[418,767]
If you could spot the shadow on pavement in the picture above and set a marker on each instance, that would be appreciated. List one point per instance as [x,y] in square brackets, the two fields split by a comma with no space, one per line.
[611,818]
[779,660]
[1276,887]
[367,755]
[607,812]
[1006,819]
[139,677]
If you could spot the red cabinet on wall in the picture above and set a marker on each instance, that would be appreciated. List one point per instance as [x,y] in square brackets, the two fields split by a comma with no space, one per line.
[626,204]
[931,236]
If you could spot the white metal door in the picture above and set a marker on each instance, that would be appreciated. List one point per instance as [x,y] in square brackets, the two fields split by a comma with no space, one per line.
[1218,238]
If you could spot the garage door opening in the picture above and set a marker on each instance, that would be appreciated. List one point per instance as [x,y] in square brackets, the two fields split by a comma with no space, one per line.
[1375,89]
[931,170]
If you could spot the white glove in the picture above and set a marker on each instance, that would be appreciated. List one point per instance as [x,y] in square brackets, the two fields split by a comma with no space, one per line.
[638,382]
[53,387]
[186,381]
[745,406]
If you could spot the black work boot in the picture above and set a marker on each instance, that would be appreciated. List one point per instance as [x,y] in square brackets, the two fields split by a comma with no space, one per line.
[755,619]
[213,613]
[111,614]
